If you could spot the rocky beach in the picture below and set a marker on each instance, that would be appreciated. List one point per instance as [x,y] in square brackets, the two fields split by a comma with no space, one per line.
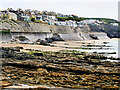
[47,67]
[47,51]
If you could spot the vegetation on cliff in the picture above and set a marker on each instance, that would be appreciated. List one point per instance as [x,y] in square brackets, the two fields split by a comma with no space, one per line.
[70,18]
[107,20]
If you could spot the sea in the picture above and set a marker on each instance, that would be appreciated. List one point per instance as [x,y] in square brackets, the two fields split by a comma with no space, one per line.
[111,49]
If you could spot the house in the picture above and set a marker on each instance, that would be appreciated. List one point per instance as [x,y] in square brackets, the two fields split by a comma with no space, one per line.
[4,15]
[60,23]
[12,11]
[12,16]
[71,23]
[49,18]
[39,18]
[25,18]
[44,18]
[52,18]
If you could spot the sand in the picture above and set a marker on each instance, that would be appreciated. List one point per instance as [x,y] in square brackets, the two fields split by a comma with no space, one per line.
[59,45]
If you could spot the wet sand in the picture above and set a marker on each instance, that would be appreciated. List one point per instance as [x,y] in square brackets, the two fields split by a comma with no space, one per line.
[58,45]
[35,47]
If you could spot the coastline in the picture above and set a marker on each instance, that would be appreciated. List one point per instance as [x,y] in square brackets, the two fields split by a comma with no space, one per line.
[56,57]
[46,50]
[60,45]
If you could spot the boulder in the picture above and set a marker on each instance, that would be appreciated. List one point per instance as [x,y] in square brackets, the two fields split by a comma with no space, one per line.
[18,47]
[56,37]
[22,38]
[5,83]
[42,42]
[38,54]
[93,36]
[49,40]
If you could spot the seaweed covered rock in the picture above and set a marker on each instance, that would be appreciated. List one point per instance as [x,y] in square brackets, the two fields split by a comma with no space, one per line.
[68,69]
[11,53]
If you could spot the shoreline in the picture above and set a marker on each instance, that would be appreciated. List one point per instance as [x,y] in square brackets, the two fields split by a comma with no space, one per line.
[59,44]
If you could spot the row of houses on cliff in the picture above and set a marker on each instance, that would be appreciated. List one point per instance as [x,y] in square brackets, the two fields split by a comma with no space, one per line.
[50,18]
[27,15]
[35,16]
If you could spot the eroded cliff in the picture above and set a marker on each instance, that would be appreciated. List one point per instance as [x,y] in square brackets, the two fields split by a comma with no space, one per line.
[34,31]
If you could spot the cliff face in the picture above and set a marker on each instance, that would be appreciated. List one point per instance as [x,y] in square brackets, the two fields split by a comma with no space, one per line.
[36,27]
[111,30]
[34,31]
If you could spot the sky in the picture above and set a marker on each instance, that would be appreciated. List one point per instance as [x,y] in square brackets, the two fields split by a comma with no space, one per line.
[82,8]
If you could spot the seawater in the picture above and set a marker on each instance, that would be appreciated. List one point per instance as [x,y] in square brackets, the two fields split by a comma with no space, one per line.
[114,47]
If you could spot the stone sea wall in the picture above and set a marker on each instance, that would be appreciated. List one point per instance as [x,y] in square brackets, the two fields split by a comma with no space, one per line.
[35,31]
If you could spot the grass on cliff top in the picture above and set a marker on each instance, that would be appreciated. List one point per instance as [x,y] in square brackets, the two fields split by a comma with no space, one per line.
[107,20]
[69,18]
[5,32]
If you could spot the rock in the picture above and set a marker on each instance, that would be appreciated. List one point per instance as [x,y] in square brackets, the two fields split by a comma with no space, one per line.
[42,42]
[18,47]
[54,68]
[56,37]
[5,83]
[39,40]
[105,42]
[93,36]
[38,54]
[49,40]
[22,38]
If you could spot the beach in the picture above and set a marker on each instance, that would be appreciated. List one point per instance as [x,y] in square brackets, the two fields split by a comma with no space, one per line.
[58,44]
[58,65]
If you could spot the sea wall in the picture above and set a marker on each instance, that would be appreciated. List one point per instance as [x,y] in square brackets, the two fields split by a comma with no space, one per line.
[36,27]
[5,37]
[32,37]
[35,31]
[100,35]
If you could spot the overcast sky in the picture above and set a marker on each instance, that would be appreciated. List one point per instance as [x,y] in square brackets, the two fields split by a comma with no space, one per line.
[82,8]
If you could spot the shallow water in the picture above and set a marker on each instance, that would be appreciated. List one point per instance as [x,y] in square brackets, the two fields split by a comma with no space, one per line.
[114,48]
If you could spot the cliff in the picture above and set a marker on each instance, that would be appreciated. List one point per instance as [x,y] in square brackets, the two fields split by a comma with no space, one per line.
[34,31]
[111,30]
[35,27]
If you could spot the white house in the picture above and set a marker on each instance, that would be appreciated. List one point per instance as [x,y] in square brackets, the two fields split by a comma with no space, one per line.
[49,18]
[71,23]
[60,23]
[52,18]
[25,18]
[12,16]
